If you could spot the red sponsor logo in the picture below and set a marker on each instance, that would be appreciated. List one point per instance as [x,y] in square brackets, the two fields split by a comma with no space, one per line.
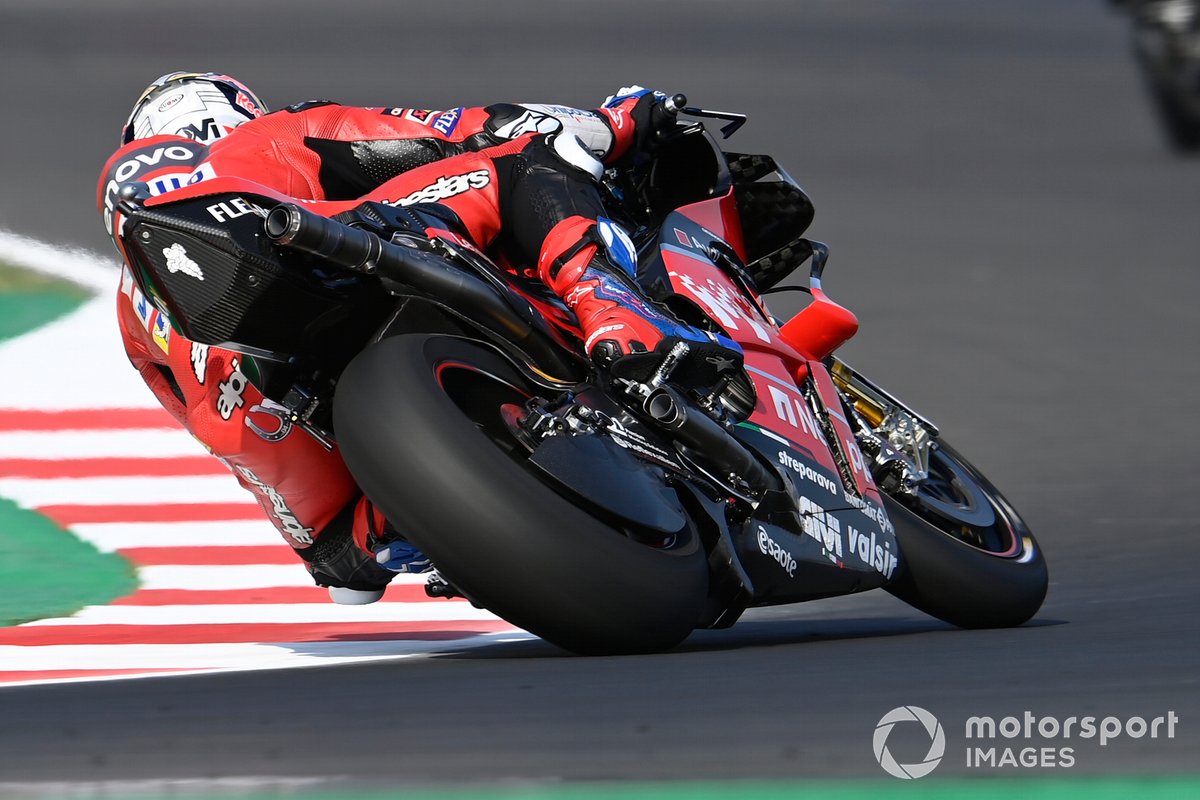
[247,104]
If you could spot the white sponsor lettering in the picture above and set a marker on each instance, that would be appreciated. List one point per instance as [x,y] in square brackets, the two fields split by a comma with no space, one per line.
[722,304]
[127,169]
[445,187]
[823,527]
[871,512]
[850,448]
[769,547]
[807,472]
[279,508]
[232,390]
[447,121]
[587,125]
[793,411]
[237,207]
[877,556]
[199,361]
[562,111]
[596,334]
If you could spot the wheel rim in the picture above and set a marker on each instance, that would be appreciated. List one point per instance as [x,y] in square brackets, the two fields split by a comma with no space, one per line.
[953,501]
[494,404]
[484,398]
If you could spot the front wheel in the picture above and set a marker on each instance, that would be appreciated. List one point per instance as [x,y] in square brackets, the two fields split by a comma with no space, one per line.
[420,422]
[968,557]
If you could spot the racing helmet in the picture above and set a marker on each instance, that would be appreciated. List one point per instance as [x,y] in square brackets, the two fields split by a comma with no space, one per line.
[204,106]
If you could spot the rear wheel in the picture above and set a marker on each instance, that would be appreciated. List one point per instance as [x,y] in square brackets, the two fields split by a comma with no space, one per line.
[420,422]
[968,557]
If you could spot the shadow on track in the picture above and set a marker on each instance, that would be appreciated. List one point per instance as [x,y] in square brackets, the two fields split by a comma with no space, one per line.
[745,636]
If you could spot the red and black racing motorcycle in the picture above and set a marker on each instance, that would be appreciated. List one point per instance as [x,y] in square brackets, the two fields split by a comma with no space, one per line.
[604,515]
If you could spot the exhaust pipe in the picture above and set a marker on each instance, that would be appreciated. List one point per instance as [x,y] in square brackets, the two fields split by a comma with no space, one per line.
[437,278]
[701,433]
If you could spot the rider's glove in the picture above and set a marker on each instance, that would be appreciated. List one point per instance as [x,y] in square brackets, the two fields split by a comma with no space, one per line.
[627,92]
[646,108]
[400,556]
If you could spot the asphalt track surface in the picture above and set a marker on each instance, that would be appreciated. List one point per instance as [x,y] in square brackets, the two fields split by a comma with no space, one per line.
[1022,251]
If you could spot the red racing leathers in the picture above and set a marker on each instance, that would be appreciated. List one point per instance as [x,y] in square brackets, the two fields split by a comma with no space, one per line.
[480,162]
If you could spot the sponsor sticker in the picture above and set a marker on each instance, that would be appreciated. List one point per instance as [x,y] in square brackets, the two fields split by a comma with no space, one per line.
[232,391]
[445,187]
[447,121]
[178,261]
[279,507]
[200,361]
[160,331]
[770,548]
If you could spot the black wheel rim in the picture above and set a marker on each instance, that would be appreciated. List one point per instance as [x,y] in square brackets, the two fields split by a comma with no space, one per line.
[953,501]
[492,403]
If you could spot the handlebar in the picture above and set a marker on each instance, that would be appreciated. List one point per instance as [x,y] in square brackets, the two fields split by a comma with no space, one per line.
[674,104]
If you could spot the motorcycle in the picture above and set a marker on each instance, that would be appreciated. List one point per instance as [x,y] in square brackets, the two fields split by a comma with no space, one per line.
[605,515]
[1166,45]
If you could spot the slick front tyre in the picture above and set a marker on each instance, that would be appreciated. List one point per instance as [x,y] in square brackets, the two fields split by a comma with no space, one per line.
[419,421]
[967,556]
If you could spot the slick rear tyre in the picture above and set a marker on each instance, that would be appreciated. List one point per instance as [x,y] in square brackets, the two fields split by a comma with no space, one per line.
[967,556]
[418,422]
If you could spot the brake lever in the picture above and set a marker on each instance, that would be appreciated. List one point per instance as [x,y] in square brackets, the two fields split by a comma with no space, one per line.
[736,120]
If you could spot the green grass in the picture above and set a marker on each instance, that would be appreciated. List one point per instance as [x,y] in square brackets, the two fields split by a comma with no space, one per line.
[47,572]
[44,570]
[1033,787]
[30,299]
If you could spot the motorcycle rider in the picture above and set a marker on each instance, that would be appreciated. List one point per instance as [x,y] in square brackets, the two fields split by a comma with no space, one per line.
[529,171]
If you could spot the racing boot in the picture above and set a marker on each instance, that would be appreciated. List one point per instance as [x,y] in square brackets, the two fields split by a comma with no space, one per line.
[591,265]
[358,554]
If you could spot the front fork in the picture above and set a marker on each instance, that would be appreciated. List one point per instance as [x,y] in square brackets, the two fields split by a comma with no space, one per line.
[894,438]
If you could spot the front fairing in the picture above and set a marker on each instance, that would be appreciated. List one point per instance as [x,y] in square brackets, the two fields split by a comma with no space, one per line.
[828,532]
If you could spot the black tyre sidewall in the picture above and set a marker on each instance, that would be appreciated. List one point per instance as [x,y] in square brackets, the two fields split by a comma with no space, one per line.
[961,584]
[510,542]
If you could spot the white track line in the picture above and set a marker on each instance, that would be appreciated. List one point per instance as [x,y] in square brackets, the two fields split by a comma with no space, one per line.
[37,375]
[270,614]
[35,492]
[213,656]
[90,371]
[110,536]
[67,445]
[73,264]
[238,576]
[242,576]
[265,785]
